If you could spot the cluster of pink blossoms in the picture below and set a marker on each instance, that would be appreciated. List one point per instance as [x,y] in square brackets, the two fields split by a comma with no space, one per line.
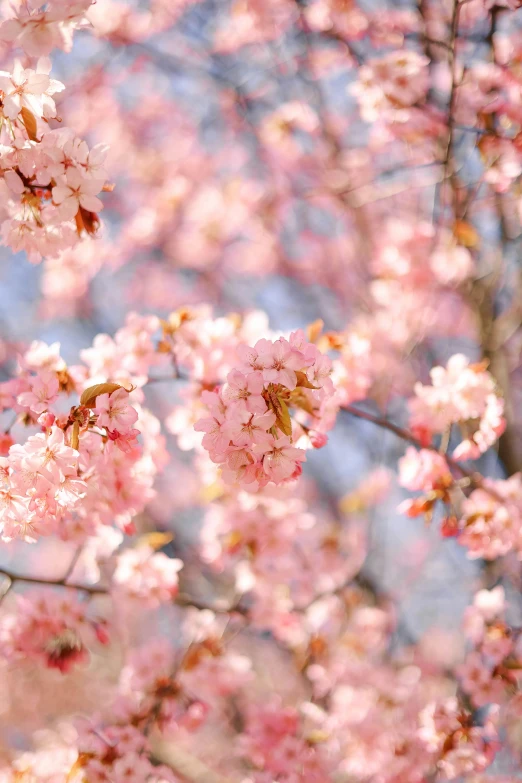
[460,746]
[39,27]
[83,468]
[51,627]
[494,666]
[252,535]
[49,179]
[277,745]
[462,394]
[250,430]
[149,576]
[116,753]
[389,86]
[488,522]
[491,523]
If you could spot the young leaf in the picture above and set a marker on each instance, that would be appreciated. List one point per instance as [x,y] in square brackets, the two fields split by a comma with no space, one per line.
[29,120]
[155,540]
[314,329]
[283,420]
[300,400]
[88,398]
[303,381]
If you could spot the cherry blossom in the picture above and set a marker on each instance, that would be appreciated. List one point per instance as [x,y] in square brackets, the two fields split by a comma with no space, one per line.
[260,491]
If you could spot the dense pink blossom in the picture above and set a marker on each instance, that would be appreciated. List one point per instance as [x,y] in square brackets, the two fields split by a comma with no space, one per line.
[461,394]
[151,576]
[51,627]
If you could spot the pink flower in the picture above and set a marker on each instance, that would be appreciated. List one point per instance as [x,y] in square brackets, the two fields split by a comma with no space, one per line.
[387,86]
[125,441]
[279,362]
[245,429]
[282,460]
[319,373]
[44,391]
[249,357]
[490,603]
[77,191]
[114,411]
[318,439]
[245,391]
[215,440]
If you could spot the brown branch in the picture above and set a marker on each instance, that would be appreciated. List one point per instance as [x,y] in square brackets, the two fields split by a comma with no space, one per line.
[473,477]
[90,589]
[483,294]
[449,168]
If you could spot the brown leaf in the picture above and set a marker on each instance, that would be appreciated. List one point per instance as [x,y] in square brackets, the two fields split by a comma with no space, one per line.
[163,347]
[88,398]
[277,404]
[300,400]
[465,233]
[283,420]
[175,320]
[29,120]
[79,764]
[480,367]
[155,540]
[331,341]
[87,221]
[314,329]
[351,504]
[302,380]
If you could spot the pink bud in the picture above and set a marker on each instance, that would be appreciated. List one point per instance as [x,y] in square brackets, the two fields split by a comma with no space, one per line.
[101,633]
[46,420]
[449,527]
[318,439]
[195,716]
[6,442]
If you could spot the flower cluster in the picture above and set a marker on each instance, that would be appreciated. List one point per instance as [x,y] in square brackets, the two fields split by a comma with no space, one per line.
[147,575]
[494,665]
[427,471]
[54,628]
[275,744]
[41,485]
[491,518]
[39,27]
[82,469]
[252,536]
[50,178]
[250,430]
[460,747]
[389,86]
[118,753]
[462,394]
